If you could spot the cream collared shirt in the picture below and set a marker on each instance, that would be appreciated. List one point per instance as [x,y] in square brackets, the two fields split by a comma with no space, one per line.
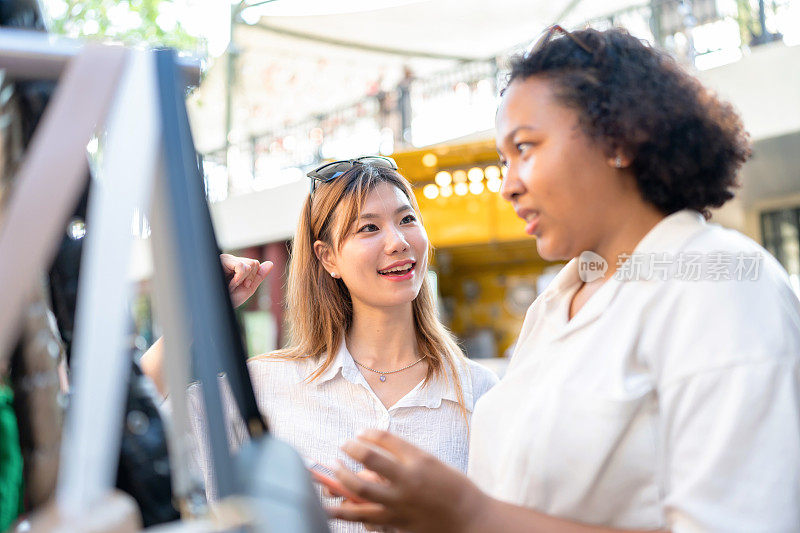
[317,417]
[670,403]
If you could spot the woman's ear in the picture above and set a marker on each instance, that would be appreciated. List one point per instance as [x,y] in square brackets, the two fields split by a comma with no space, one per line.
[326,256]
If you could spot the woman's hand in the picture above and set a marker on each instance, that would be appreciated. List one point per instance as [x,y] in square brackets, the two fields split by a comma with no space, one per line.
[245,276]
[369,475]
[416,491]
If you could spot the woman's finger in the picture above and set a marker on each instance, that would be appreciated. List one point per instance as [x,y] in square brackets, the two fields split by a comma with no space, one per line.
[380,529]
[264,269]
[363,488]
[390,442]
[228,263]
[376,459]
[369,475]
[239,272]
[258,274]
[371,513]
[255,274]
[252,273]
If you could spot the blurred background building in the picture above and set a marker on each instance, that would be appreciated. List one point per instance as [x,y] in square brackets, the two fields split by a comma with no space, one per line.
[290,84]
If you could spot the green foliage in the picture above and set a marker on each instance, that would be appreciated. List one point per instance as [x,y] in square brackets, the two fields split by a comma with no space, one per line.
[747,17]
[149,22]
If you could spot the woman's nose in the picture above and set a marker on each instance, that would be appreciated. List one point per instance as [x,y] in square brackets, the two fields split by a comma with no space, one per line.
[396,241]
[512,186]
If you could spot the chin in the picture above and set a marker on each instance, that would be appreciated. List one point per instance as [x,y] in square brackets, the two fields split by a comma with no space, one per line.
[405,298]
[392,300]
[549,252]
[545,251]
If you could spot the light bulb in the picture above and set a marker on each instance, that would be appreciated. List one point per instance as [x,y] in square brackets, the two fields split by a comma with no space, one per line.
[443,178]
[430,191]
[492,172]
[475,174]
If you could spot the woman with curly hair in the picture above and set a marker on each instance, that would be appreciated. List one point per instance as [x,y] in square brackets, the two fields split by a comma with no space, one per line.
[656,381]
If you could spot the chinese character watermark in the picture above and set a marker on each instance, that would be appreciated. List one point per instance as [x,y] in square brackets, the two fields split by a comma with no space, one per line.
[689,266]
[684,266]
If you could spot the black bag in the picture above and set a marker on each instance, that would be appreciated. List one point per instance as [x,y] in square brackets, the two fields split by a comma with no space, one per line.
[144,469]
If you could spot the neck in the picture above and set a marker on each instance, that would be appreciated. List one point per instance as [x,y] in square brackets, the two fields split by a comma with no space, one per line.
[628,229]
[382,338]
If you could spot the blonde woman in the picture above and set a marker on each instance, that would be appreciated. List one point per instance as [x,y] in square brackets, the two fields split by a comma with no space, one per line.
[368,349]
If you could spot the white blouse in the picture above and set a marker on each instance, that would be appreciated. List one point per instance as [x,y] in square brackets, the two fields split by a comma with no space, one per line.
[672,402]
[318,417]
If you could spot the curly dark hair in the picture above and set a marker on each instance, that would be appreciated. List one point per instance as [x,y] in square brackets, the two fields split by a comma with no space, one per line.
[685,145]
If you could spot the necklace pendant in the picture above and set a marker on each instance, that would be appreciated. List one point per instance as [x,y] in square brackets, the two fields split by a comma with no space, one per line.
[383,378]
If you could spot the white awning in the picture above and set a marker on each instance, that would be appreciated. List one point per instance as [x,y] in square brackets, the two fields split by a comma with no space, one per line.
[301,57]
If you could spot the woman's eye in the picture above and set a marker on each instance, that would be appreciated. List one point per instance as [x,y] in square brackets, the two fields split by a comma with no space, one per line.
[368,228]
[408,219]
[504,163]
[523,147]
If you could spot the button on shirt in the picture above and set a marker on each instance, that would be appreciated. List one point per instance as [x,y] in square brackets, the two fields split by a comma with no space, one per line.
[317,417]
[669,402]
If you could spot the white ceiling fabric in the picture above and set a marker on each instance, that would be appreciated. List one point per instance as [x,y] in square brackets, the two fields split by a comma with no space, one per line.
[282,78]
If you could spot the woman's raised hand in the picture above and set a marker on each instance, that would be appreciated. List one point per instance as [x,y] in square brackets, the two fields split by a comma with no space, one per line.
[245,276]
[417,492]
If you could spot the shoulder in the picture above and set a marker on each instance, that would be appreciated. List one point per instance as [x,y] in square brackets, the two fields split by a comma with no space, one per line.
[480,378]
[737,278]
[716,238]
[740,310]
[275,367]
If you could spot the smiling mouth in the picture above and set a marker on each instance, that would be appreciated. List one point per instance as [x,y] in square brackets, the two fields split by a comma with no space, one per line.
[401,270]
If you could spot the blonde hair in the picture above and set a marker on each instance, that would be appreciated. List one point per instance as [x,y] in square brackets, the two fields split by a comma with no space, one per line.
[320,310]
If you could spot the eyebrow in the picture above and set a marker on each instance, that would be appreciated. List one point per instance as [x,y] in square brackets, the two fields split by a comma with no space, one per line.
[510,136]
[397,211]
[516,130]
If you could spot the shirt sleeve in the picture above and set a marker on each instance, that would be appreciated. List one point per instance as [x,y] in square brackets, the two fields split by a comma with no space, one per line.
[729,399]
[483,379]
[732,445]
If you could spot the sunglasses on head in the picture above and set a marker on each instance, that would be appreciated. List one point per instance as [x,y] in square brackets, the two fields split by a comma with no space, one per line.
[331,171]
[552,31]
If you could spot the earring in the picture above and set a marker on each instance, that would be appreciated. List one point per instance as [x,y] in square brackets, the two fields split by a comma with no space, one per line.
[333,274]
[618,162]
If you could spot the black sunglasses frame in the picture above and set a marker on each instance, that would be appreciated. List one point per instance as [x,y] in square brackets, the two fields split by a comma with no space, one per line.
[317,175]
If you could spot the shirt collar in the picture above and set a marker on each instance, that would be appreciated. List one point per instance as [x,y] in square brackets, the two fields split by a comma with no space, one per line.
[669,235]
[672,232]
[441,388]
[566,278]
[342,363]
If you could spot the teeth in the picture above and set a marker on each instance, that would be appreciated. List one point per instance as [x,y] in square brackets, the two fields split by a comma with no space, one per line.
[401,268]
